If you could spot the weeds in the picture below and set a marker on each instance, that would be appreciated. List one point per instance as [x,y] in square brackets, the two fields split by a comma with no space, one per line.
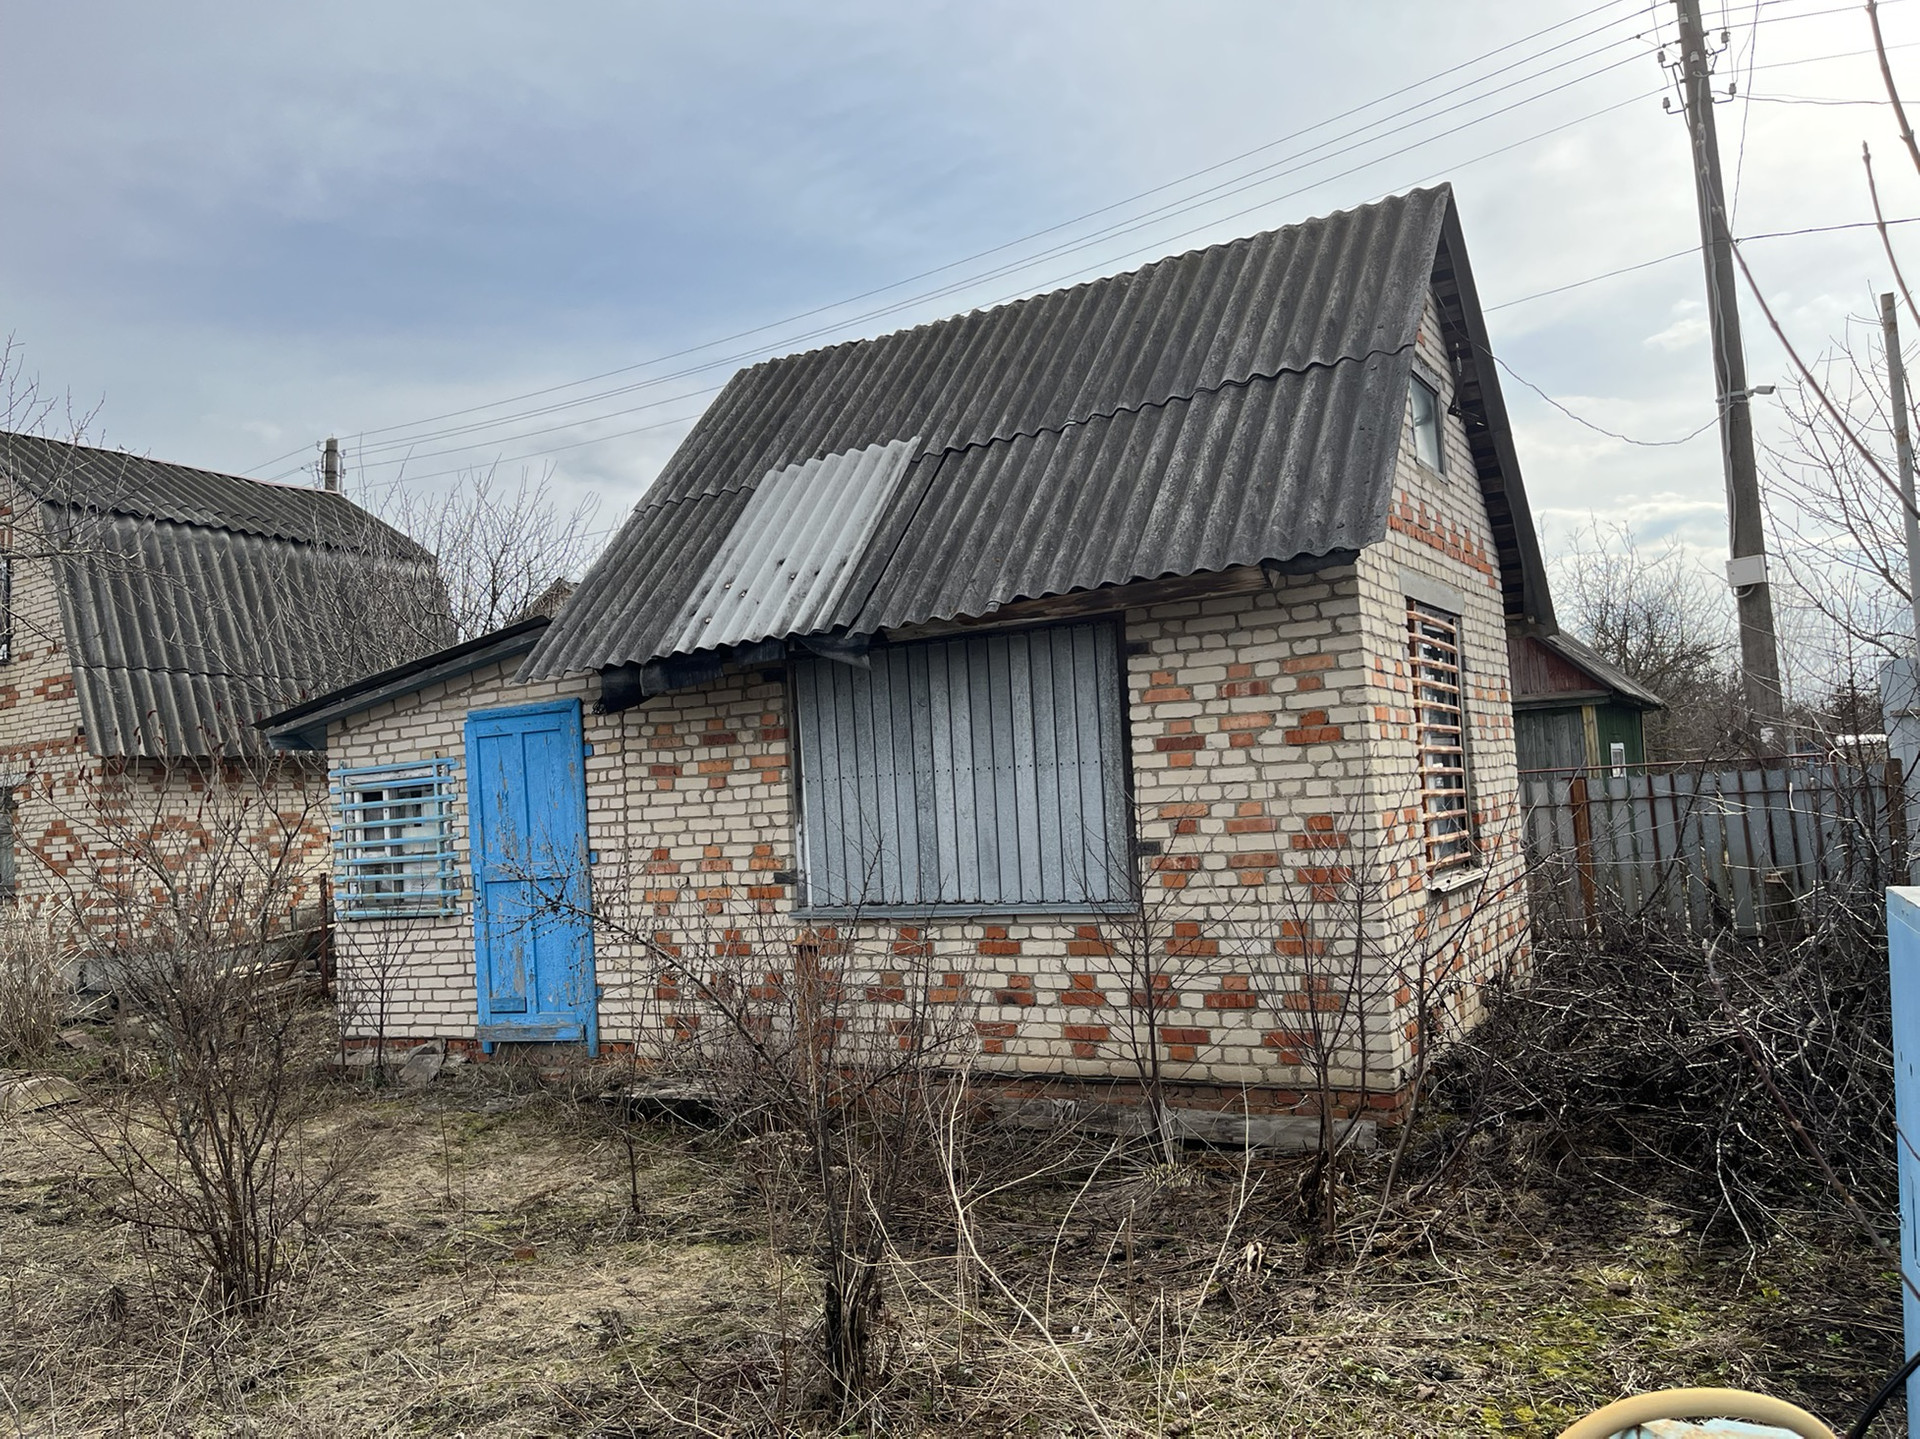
[36,993]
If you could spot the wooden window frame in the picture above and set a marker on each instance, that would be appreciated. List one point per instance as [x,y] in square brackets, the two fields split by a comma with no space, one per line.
[1437,410]
[1450,847]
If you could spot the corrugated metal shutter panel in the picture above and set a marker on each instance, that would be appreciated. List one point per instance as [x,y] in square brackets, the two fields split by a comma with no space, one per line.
[984,772]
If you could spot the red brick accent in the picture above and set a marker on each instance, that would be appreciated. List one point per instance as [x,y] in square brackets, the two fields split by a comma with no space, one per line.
[1314,729]
[1088,941]
[1082,990]
[1235,993]
[1019,990]
[1086,1038]
[994,1034]
[996,942]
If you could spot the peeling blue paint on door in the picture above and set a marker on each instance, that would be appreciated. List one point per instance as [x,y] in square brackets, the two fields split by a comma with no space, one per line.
[527,813]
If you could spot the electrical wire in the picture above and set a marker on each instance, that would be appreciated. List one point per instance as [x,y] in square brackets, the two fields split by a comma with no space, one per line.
[1218,191]
[1238,184]
[1107,232]
[1009,244]
[1591,425]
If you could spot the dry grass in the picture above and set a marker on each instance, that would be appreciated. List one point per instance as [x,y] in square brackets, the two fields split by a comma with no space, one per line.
[36,993]
[489,1276]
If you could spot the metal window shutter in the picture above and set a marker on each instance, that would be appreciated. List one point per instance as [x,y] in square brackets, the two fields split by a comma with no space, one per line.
[984,772]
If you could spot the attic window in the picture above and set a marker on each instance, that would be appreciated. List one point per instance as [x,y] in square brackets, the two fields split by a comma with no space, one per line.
[393,841]
[1439,709]
[1424,410]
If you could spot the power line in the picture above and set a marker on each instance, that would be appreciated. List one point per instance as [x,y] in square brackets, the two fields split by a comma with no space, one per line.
[1287,164]
[1207,197]
[1215,194]
[538,454]
[1691,250]
[1009,244]
[1597,428]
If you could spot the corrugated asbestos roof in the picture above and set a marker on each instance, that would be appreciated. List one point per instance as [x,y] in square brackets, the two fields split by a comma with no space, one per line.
[1231,405]
[194,603]
[304,726]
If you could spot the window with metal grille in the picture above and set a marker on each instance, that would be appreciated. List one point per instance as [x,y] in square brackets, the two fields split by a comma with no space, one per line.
[985,773]
[1439,709]
[393,841]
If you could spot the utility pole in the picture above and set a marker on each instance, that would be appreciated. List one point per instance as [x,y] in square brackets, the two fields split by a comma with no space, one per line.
[1903,449]
[1747,547]
[330,465]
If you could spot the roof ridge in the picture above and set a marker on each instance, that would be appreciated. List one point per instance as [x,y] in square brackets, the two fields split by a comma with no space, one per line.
[1107,279]
[1237,382]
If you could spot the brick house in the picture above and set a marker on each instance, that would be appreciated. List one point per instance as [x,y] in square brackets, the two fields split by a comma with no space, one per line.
[1148,635]
[151,614]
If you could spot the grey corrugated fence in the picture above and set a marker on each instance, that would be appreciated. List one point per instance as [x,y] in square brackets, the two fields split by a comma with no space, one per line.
[1747,850]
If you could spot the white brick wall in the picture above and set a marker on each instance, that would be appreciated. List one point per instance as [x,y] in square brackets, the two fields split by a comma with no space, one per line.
[1272,767]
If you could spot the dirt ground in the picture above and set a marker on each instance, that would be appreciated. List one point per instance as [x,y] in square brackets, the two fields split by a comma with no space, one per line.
[498,1267]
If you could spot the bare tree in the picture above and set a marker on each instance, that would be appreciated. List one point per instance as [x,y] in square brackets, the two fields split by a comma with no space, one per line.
[502,546]
[836,1041]
[1665,623]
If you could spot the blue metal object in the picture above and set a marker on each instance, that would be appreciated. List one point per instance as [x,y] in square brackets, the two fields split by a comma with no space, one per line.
[1903,952]
[393,841]
[533,939]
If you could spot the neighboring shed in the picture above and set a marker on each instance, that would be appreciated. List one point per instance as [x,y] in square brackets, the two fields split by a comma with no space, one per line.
[1572,709]
[1179,599]
[153,613]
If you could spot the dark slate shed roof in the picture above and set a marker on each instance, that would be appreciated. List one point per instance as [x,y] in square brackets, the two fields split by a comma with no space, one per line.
[1229,406]
[193,603]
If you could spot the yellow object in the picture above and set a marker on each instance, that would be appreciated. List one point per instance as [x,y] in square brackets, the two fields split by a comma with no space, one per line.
[1624,1414]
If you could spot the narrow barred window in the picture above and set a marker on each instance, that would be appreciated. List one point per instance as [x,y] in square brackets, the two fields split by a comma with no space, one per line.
[1439,707]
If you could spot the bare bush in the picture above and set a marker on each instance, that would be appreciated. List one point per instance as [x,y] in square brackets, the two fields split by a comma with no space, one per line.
[1746,1073]
[197,913]
[36,991]
[838,1046]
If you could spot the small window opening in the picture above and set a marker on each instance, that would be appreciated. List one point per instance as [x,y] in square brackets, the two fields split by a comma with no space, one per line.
[1439,707]
[1423,408]
[393,841]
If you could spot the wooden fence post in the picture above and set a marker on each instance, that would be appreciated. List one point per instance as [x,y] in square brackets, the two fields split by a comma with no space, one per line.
[1583,850]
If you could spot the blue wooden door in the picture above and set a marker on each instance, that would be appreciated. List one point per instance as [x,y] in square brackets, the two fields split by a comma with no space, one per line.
[527,811]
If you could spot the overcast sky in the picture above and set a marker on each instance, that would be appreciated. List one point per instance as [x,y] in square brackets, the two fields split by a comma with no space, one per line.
[237,228]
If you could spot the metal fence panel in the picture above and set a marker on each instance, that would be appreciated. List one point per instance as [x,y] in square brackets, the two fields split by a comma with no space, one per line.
[1713,849]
